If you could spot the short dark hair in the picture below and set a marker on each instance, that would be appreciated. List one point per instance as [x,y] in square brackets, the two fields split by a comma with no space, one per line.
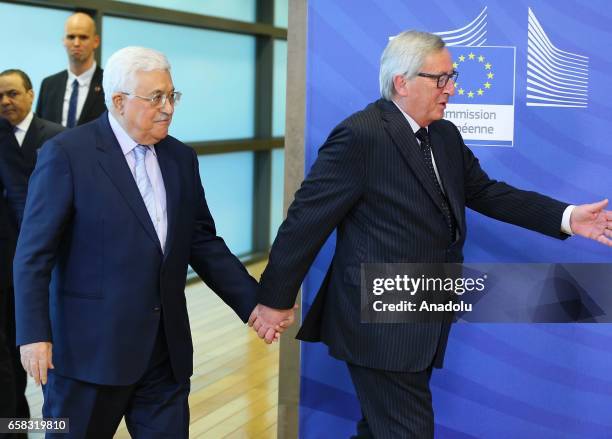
[24,77]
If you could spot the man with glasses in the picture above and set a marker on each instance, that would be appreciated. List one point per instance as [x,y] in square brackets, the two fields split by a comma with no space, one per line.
[395,180]
[21,135]
[116,211]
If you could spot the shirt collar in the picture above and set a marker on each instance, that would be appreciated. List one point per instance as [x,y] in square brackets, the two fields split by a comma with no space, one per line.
[24,125]
[126,143]
[415,126]
[84,79]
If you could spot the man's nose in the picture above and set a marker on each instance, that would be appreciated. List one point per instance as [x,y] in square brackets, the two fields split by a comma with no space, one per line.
[450,87]
[168,108]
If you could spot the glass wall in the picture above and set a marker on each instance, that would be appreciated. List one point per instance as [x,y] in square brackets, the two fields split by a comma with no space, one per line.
[215,71]
[279,88]
[32,41]
[228,186]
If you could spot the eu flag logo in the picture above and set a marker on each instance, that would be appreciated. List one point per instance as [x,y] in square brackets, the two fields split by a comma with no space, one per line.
[486,75]
[483,105]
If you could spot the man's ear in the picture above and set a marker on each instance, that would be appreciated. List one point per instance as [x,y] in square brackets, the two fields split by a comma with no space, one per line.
[400,84]
[118,102]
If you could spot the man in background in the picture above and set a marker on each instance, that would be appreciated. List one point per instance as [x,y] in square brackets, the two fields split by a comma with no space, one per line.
[74,96]
[21,135]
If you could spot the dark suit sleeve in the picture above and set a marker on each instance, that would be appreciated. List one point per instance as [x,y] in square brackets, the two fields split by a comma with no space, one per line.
[506,203]
[332,188]
[14,180]
[48,211]
[214,262]
[40,105]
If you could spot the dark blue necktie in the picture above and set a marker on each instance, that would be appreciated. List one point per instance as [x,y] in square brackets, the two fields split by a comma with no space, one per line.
[423,135]
[72,106]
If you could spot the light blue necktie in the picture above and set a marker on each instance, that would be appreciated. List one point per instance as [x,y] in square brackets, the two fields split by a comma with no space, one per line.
[144,184]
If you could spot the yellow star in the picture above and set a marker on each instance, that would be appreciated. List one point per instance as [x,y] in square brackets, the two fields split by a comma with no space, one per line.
[455,65]
[461,91]
[488,66]
[480,92]
[490,75]
[481,58]
[487,85]
[461,58]
[471,56]
[470,94]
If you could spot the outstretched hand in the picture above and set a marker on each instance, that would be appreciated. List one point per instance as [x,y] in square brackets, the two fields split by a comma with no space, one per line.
[593,221]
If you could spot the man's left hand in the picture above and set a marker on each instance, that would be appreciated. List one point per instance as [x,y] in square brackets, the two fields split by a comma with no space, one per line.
[593,222]
[269,323]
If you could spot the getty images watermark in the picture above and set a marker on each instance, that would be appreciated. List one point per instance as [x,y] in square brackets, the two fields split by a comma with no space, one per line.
[502,293]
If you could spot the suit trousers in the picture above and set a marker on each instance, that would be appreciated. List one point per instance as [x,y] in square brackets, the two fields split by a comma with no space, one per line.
[154,407]
[394,405]
[20,377]
[13,379]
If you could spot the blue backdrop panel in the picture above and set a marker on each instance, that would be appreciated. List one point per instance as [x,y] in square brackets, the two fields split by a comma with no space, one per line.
[500,380]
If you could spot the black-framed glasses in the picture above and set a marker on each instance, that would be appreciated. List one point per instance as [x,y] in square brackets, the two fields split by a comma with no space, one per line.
[441,80]
[159,99]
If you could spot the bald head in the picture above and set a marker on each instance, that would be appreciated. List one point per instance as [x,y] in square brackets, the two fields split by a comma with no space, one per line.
[80,41]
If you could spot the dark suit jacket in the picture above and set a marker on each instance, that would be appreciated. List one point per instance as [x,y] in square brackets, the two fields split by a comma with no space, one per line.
[370,182]
[86,222]
[13,189]
[39,132]
[51,98]
[17,165]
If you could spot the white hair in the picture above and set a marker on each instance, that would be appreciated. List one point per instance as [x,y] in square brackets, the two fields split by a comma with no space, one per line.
[121,67]
[404,55]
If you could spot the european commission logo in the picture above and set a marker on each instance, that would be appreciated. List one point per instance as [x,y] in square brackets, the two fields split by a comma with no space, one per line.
[555,77]
[484,103]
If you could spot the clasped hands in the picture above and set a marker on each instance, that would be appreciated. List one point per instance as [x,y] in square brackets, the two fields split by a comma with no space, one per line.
[269,323]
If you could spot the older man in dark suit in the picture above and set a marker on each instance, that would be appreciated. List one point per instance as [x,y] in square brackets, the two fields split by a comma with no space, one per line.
[75,96]
[395,180]
[21,135]
[116,211]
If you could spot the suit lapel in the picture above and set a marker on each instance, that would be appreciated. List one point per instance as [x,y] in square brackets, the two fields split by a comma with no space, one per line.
[112,161]
[445,170]
[403,137]
[171,177]
[95,89]
[57,100]
[31,139]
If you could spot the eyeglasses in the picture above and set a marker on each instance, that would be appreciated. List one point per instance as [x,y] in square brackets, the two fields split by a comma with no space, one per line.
[159,99]
[442,79]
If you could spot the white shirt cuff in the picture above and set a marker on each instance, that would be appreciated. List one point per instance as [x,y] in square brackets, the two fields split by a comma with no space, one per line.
[565,221]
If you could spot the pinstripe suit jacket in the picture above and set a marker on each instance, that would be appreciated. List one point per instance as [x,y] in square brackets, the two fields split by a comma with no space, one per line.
[370,182]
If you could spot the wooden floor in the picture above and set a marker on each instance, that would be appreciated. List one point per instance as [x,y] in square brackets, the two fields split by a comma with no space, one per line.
[234,388]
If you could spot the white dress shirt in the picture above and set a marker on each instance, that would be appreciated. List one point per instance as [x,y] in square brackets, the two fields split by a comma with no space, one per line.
[22,127]
[567,213]
[160,218]
[84,80]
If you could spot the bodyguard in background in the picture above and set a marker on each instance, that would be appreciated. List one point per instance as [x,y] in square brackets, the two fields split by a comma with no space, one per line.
[115,213]
[21,135]
[395,179]
[75,96]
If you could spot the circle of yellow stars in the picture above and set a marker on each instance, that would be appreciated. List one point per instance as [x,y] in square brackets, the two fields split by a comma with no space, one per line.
[487,66]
